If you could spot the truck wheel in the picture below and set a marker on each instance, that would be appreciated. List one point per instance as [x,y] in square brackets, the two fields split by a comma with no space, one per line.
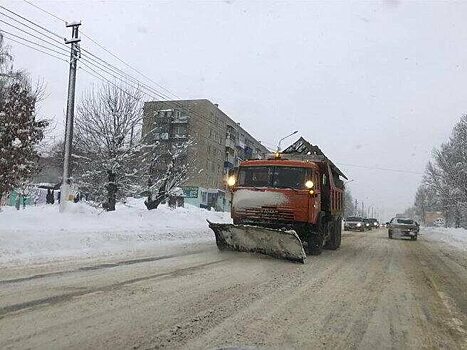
[414,238]
[334,240]
[390,234]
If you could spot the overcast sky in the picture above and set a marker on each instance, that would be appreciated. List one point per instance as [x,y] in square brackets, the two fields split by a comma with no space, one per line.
[375,84]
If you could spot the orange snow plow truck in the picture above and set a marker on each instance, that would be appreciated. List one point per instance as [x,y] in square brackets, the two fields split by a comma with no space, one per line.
[284,205]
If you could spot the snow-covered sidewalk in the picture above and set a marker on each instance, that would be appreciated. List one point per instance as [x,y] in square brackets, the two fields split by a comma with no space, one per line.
[40,234]
[456,237]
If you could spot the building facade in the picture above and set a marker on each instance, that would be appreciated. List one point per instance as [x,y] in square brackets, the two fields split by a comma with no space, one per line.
[217,144]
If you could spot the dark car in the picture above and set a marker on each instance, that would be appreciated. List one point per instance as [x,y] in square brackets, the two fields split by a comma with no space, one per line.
[403,227]
[368,224]
[354,223]
[374,223]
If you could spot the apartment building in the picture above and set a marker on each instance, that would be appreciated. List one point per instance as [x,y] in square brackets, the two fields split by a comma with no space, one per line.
[218,144]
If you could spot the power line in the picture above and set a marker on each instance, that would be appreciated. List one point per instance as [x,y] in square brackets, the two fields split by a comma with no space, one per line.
[33,23]
[45,11]
[91,61]
[112,68]
[382,169]
[129,66]
[101,77]
[118,71]
[161,96]
[31,42]
[34,36]
[19,42]
[105,49]
[121,73]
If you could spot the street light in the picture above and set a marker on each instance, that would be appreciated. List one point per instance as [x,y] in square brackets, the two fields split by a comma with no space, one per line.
[282,139]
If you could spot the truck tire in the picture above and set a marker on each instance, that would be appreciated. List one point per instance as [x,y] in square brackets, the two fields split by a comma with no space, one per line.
[315,243]
[414,238]
[316,238]
[389,234]
[334,241]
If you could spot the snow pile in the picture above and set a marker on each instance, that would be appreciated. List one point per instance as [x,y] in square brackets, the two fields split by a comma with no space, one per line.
[454,236]
[41,233]
[256,199]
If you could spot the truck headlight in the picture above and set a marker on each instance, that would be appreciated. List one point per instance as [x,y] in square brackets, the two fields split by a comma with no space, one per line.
[368,224]
[231,181]
[359,224]
[309,184]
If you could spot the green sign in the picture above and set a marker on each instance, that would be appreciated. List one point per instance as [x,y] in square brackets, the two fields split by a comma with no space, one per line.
[190,191]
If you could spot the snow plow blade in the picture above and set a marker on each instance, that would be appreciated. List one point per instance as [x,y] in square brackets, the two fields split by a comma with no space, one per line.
[244,238]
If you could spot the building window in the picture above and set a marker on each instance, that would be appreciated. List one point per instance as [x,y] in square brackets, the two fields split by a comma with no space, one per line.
[179,131]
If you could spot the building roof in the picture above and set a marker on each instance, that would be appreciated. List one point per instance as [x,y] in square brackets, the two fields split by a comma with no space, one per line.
[302,146]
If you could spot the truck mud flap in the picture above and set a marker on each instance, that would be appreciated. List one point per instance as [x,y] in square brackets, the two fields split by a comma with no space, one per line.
[245,238]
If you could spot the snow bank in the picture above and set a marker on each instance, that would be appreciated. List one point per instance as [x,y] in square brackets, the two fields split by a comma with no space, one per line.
[454,236]
[41,233]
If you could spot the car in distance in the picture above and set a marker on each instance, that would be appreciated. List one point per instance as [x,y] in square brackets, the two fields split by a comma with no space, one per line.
[368,224]
[374,223]
[404,227]
[354,223]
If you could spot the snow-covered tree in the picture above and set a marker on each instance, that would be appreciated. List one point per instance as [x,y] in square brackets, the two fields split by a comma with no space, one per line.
[106,150]
[349,205]
[444,185]
[111,162]
[20,131]
[168,170]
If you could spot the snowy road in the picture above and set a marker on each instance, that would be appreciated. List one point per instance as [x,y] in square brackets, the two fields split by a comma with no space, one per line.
[373,293]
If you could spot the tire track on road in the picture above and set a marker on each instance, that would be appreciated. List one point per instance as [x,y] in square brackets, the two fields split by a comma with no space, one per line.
[4,311]
[99,267]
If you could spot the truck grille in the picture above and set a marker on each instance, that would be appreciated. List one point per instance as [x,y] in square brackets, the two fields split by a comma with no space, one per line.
[266,214]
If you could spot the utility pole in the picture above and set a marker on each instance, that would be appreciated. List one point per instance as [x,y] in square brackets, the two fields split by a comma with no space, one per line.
[363,209]
[70,111]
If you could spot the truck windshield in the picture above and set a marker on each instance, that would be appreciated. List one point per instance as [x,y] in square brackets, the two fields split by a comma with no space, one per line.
[405,221]
[273,176]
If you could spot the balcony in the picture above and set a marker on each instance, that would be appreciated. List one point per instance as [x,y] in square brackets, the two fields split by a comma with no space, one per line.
[229,158]
[248,152]
[178,136]
[230,143]
[240,144]
[182,119]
